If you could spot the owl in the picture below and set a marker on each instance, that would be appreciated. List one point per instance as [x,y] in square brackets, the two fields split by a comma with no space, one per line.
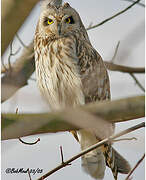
[70,72]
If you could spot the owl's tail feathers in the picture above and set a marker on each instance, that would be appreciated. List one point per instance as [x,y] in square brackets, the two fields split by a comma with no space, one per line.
[121,163]
[115,161]
[94,164]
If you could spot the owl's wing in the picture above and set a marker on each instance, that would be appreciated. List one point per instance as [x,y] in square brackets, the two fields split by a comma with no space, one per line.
[94,75]
[96,87]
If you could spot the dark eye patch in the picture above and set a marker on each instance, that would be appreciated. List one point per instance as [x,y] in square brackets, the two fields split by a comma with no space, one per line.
[70,20]
[46,21]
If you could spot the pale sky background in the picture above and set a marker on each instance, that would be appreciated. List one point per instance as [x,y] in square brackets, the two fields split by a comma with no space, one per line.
[129,29]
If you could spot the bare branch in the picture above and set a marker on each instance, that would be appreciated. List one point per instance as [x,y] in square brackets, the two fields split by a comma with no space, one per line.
[21,42]
[137,82]
[110,139]
[29,143]
[125,69]
[62,158]
[115,53]
[106,112]
[137,164]
[12,54]
[112,17]
[141,4]
[17,76]
[7,67]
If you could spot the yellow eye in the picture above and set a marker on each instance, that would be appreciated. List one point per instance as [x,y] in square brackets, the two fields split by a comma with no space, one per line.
[68,20]
[50,21]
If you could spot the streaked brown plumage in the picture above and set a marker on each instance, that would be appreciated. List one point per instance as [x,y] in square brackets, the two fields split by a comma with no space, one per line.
[70,72]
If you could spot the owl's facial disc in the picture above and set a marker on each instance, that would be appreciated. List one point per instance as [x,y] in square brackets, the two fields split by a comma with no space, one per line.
[59,25]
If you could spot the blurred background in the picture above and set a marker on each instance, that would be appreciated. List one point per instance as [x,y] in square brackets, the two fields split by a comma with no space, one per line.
[127,28]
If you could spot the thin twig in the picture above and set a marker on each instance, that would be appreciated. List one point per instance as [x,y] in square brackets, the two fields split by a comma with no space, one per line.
[115,53]
[141,4]
[21,42]
[125,139]
[111,138]
[29,174]
[12,54]
[117,14]
[29,143]
[62,158]
[9,58]
[137,164]
[137,82]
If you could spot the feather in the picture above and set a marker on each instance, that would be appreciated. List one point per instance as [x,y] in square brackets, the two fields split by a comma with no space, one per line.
[56,3]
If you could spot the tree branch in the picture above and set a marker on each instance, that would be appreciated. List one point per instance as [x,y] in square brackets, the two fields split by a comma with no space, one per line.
[125,69]
[112,17]
[141,4]
[91,148]
[137,82]
[111,111]
[137,164]
[16,77]
[13,15]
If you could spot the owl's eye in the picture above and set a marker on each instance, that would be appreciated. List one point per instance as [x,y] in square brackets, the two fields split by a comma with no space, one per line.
[69,20]
[50,21]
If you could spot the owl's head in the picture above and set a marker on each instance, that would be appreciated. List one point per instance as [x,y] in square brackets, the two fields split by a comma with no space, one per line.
[58,20]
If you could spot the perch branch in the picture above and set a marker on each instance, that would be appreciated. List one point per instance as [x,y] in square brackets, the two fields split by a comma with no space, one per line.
[111,111]
[137,164]
[110,139]
[112,17]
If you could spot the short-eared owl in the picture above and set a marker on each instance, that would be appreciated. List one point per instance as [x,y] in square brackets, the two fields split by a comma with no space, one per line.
[70,72]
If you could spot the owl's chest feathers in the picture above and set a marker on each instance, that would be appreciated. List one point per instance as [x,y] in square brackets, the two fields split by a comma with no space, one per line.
[58,74]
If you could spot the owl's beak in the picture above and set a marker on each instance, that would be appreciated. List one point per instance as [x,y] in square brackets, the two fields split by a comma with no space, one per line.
[59,29]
